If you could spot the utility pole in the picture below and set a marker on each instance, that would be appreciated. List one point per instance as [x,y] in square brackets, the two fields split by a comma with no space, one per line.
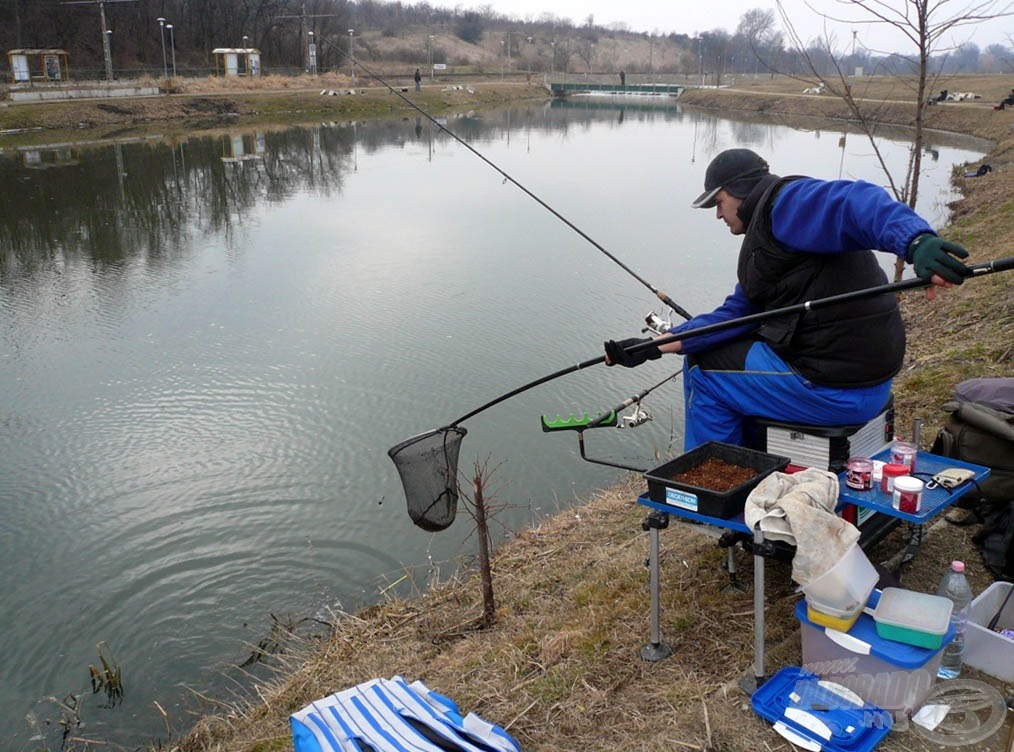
[107,55]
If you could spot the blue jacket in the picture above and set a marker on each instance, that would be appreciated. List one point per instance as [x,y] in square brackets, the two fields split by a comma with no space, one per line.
[819,217]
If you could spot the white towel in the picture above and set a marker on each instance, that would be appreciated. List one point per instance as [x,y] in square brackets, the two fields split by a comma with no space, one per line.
[798,508]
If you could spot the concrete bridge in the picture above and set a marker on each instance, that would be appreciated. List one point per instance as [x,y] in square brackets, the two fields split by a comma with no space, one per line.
[640,90]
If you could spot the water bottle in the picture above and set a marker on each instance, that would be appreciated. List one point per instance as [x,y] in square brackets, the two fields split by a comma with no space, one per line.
[955,587]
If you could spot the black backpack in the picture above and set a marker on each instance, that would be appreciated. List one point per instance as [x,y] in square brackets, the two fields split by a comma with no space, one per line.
[981,431]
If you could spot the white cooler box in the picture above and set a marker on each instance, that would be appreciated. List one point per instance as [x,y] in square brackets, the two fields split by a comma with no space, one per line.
[988,651]
[892,675]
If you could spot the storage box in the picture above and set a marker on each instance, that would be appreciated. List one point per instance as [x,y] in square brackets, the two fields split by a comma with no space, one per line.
[918,619]
[814,713]
[827,447]
[891,675]
[988,651]
[663,489]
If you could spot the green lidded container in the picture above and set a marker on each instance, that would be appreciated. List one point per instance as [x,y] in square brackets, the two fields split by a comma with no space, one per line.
[914,618]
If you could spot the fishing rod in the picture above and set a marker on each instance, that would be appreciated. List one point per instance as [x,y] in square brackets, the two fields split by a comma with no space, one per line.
[428,462]
[976,270]
[658,293]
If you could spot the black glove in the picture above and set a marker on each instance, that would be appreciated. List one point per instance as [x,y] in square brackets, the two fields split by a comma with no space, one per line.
[932,255]
[617,354]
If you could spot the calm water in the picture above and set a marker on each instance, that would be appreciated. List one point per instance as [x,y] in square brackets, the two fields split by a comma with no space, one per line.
[209,346]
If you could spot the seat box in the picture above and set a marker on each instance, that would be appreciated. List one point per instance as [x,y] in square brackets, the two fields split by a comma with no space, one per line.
[826,447]
[663,489]
[891,675]
[986,650]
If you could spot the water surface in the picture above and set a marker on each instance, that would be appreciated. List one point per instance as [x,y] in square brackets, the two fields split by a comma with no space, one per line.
[208,347]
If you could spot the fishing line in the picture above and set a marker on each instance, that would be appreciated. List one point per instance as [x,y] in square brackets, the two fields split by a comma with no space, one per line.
[658,293]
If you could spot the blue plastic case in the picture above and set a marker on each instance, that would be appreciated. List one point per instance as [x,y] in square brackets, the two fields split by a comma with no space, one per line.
[818,714]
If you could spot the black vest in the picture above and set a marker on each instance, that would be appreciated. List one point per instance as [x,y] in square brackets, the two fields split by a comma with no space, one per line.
[854,344]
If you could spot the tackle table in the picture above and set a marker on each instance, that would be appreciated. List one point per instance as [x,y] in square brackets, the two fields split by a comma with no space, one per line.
[934,501]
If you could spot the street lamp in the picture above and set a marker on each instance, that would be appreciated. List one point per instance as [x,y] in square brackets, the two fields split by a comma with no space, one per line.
[108,53]
[529,58]
[431,55]
[352,55]
[165,64]
[245,38]
[172,46]
[552,61]
[311,56]
[501,59]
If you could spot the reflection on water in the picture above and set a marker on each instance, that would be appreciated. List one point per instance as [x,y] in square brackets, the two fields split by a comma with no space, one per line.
[209,345]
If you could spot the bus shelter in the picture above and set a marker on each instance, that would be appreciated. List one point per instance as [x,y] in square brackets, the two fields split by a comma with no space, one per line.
[237,61]
[38,65]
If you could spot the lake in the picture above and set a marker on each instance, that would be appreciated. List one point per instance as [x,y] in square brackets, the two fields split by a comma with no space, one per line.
[209,345]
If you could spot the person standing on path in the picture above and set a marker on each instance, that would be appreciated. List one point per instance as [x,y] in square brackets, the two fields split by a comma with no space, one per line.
[418,79]
[623,79]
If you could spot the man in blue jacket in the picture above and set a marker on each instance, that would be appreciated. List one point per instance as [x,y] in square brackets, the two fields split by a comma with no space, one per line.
[803,239]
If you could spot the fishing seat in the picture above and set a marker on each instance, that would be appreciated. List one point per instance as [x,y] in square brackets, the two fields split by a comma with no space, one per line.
[829,448]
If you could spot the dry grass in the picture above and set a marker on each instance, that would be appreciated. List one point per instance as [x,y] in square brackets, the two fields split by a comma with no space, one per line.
[560,669]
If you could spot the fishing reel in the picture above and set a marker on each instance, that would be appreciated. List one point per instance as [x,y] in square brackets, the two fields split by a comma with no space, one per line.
[656,324]
[637,417]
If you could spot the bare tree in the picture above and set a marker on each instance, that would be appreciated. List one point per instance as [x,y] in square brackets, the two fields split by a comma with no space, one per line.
[924,23]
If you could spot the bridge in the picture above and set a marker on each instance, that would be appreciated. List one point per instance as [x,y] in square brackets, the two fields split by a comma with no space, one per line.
[642,90]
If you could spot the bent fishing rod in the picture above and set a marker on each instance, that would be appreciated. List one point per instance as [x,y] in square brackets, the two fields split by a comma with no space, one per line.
[658,293]
[975,270]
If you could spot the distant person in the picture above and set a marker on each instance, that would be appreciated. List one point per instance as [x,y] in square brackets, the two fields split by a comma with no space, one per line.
[803,239]
[623,78]
[1008,102]
[418,79]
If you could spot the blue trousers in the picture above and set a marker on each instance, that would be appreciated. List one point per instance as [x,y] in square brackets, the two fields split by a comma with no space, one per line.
[723,389]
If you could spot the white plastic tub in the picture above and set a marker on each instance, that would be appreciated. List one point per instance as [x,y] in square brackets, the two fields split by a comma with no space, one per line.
[885,673]
[845,586]
[987,651]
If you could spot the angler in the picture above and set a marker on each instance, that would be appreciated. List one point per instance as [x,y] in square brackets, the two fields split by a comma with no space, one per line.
[803,238]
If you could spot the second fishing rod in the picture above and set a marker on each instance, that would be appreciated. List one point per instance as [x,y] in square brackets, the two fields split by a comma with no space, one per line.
[661,295]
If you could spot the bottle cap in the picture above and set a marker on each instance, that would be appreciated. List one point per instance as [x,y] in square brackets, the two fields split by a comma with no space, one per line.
[958,566]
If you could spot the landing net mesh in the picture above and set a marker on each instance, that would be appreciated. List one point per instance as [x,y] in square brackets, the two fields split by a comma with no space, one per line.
[428,466]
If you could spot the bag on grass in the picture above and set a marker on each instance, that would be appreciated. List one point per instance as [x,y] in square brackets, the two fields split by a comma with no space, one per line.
[981,431]
[388,715]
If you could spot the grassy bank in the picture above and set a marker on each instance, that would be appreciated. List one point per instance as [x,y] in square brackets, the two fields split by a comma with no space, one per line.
[214,103]
[560,669]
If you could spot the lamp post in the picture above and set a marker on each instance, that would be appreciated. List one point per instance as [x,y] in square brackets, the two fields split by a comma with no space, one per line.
[107,51]
[352,55]
[107,56]
[172,46]
[552,60]
[430,44]
[529,58]
[245,38]
[501,59]
[311,56]
[700,57]
[165,64]
[508,53]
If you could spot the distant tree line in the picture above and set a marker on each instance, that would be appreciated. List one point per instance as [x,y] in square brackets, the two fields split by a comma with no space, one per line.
[281,30]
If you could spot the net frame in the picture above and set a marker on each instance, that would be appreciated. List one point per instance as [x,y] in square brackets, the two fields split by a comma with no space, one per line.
[428,466]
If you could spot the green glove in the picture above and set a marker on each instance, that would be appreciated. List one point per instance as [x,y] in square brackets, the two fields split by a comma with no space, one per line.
[932,255]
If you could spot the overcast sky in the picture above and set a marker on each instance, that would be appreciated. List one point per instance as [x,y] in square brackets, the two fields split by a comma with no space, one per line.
[692,16]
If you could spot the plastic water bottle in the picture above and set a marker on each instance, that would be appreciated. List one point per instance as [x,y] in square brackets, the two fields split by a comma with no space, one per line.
[955,587]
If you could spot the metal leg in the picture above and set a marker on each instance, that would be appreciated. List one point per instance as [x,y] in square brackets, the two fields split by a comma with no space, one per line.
[730,567]
[656,650]
[750,684]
